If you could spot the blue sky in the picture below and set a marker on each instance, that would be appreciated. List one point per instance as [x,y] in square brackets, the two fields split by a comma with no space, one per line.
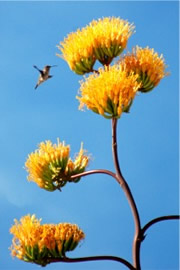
[147,137]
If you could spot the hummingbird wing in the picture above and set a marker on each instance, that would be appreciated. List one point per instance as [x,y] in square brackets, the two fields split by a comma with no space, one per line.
[38,69]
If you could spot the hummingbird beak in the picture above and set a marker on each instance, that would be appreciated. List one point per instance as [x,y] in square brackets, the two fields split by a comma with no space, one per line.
[54,66]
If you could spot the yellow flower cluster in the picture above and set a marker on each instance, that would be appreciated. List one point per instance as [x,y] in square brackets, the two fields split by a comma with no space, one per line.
[110,92]
[33,242]
[51,167]
[147,64]
[101,40]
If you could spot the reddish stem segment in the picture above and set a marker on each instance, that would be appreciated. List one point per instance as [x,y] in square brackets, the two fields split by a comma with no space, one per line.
[127,191]
[94,258]
[156,220]
[93,172]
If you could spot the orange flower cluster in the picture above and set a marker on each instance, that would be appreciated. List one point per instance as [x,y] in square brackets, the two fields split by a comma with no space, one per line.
[110,92]
[51,167]
[101,40]
[33,242]
[147,64]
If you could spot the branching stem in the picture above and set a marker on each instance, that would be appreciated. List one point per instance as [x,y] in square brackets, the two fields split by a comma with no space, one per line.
[94,258]
[139,234]
[156,220]
[93,172]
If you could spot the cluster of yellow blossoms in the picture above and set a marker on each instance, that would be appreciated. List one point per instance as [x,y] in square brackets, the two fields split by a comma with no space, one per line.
[147,64]
[110,92]
[51,167]
[33,242]
[101,40]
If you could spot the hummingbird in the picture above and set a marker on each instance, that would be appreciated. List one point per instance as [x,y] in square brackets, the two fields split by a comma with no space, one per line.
[44,74]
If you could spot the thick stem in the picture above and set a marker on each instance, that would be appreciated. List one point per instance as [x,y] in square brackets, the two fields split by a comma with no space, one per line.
[114,149]
[94,258]
[127,191]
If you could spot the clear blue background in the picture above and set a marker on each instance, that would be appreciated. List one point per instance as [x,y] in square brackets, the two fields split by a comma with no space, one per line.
[147,137]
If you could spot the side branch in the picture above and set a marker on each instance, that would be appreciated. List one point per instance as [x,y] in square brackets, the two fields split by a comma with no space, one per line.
[94,258]
[156,220]
[93,172]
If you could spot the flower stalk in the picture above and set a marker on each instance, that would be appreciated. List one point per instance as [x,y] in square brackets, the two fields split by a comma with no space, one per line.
[95,258]
[127,191]
[139,234]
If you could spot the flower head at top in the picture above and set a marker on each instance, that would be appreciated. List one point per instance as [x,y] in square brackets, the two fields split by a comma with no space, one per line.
[147,64]
[51,167]
[110,92]
[36,243]
[101,40]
